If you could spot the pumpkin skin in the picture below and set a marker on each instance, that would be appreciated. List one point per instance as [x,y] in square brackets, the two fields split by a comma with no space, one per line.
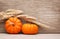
[13,25]
[29,28]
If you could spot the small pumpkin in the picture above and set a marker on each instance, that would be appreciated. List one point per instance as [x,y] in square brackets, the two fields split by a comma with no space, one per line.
[13,25]
[29,28]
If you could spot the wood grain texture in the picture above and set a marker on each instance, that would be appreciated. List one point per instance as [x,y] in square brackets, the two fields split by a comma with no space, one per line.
[46,11]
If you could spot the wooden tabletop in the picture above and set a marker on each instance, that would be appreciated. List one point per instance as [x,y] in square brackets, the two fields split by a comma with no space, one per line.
[22,36]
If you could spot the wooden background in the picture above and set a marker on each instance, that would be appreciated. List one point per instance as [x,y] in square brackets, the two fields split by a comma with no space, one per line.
[46,11]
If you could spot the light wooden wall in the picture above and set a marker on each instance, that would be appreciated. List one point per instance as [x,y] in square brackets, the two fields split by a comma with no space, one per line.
[46,11]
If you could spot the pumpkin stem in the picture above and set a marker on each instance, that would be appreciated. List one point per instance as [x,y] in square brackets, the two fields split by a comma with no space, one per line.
[12,24]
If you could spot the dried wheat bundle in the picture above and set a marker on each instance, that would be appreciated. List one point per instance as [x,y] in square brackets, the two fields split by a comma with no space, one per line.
[18,13]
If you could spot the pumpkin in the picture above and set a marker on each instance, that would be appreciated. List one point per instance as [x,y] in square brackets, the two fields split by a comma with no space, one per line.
[29,28]
[13,25]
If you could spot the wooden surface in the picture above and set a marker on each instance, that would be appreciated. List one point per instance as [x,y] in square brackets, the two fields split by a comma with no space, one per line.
[46,11]
[22,36]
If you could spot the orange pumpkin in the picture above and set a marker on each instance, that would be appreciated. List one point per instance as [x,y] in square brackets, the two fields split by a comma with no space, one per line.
[13,25]
[29,28]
